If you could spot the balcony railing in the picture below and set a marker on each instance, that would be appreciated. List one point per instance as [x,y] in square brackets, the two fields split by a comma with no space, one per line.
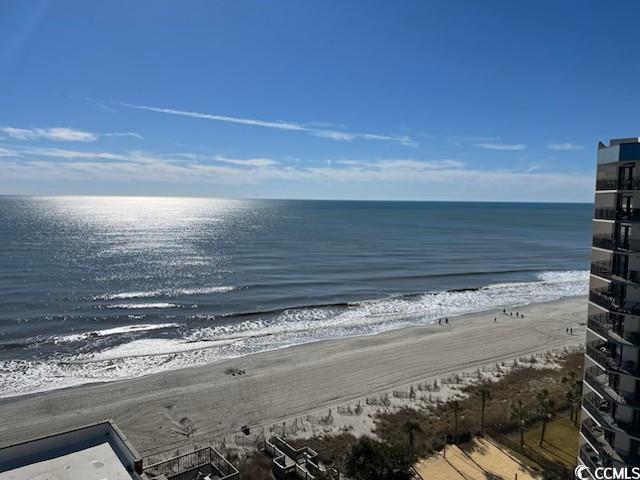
[606,299]
[610,242]
[185,467]
[629,214]
[614,184]
[606,184]
[623,214]
[599,409]
[602,269]
[593,439]
[598,326]
[604,213]
[604,354]
[598,356]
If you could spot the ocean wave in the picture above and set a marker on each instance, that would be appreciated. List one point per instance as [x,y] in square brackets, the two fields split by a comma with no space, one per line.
[139,306]
[294,326]
[171,292]
[74,337]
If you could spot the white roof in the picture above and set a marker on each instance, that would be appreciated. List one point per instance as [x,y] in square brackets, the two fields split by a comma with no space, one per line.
[95,463]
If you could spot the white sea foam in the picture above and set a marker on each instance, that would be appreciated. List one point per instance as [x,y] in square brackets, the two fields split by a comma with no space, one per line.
[290,327]
[134,306]
[116,331]
[171,292]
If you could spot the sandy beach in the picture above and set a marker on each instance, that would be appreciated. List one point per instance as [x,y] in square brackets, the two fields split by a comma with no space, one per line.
[287,383]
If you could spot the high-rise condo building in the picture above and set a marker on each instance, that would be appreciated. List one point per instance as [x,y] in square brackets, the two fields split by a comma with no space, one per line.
[610,429]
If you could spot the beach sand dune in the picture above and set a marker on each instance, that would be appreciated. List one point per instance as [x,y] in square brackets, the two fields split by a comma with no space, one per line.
[165,410]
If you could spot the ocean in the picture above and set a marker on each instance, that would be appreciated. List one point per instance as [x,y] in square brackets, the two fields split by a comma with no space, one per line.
[96,289]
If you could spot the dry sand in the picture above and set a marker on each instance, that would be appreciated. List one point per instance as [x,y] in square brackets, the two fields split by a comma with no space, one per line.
[477,460]
[157,412]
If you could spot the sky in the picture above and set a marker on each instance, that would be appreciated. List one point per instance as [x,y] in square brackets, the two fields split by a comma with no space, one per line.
[411,100]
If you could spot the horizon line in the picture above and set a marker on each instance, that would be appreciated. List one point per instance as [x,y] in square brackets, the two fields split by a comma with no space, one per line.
[289,199]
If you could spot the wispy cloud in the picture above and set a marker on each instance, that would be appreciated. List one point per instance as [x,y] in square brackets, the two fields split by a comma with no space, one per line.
[246,162]
[60,134]
[459,140]
[565,146]
[332,134]
[124,134]
[518,147]
[5,152]
[52,164]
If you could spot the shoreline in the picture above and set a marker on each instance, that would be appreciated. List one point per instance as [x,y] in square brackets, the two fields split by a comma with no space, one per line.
[291,381]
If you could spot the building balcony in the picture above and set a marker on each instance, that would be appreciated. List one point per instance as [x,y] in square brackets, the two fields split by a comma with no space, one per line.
[596,439]
[600,410]
[606,299]
[624,215]
[603,354]
[601,269]
[615,184]
[611,327]
[604,213]
[610,242]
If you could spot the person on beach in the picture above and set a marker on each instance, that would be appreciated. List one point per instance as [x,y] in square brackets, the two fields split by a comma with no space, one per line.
[495,320]
[504,312]
[439,321]
[446,320]
[517,314]
[511,314]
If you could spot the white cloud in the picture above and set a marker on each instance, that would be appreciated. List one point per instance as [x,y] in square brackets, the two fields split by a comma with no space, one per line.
[124,134]
[248,162]
[280,125]
[565,146]
[518,147]
[457,178]
[5,152]
[60,134]
[458,140]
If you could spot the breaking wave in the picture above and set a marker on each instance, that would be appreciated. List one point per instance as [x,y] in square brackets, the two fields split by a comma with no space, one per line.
[261,331]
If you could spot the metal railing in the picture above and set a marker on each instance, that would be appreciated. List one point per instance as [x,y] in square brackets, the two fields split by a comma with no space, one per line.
[303,460]
[615,184]
[593,440]
[599,324]
[605,241]
[598,356]
[606,299]
[182,467]
[606,184]
[610,242]
[599,409]
[602,269]
[629,214]
[591,460]
[604,213]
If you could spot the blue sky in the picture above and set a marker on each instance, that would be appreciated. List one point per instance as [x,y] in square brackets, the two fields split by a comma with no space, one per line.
[416,100]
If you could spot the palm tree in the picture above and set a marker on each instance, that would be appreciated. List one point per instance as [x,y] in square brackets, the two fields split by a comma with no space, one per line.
[485,394]
[520,414]
[546,410]
[411,427]
[457,408]
[573,394]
